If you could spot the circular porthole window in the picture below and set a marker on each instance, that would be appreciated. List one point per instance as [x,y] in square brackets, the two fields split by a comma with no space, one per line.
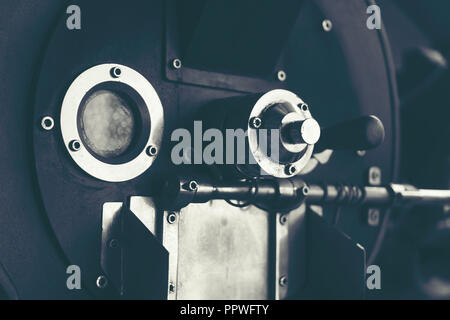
[107,124]
[110,117]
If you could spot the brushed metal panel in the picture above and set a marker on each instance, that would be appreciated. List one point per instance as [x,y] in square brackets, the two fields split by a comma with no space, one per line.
[223,252]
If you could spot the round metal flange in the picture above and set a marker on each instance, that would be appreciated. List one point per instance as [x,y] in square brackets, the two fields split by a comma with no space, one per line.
[86,81]
[291,102]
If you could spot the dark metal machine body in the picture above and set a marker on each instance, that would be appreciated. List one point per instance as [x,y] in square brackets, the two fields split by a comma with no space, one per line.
[140,225]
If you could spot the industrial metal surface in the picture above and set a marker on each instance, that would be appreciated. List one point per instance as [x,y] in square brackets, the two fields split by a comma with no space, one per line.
[170,149]
[223,252]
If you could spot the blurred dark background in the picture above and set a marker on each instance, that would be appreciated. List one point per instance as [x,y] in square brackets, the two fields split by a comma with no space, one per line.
[416,252]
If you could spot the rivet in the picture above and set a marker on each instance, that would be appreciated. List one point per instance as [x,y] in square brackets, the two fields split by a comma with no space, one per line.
[193,185]
[102,282]
[47,123]
[281,75]
[171,217]
[361,153]
[283,281]
[74,145]
[305,190]
[171,287]
[304,107]
[116,72]
[373,217]
[374,176]
[151,151]
[255,122]
[113,243]
[176,63]
[290,169]
[327,25]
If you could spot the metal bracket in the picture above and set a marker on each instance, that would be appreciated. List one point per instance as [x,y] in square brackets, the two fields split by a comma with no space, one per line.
[170,225]
[133,259]
[166,230]
[290,252]
[328,275]
[176,71]
[144,208]
[111,255]
[374,179]
[281,256]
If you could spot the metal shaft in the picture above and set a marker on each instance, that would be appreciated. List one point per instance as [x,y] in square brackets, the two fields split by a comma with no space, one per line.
[392,195]
[182,191]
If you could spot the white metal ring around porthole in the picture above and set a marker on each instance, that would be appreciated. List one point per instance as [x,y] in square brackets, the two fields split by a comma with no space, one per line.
[143,157]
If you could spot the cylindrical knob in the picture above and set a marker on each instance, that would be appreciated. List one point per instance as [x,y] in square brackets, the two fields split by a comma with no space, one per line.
[307,131]
[363,133]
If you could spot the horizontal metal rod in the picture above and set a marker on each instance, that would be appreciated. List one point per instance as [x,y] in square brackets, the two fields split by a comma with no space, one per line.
[182,191]
[348,195]
[392,195]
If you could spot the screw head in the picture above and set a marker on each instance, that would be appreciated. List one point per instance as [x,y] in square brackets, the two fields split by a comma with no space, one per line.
[176,63]
[283,219]
[374,176]
[47,123]
[116,72]
[255,122]
[283,281]
[304,107]
[102,282]
[373,217]
[281,75]
[190,186]
[171,287]
[151,151]
[305,190]
[172,217]
[361,153]
[327,25]
[290,169]
[74,145]
[193,185]
[113,243]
